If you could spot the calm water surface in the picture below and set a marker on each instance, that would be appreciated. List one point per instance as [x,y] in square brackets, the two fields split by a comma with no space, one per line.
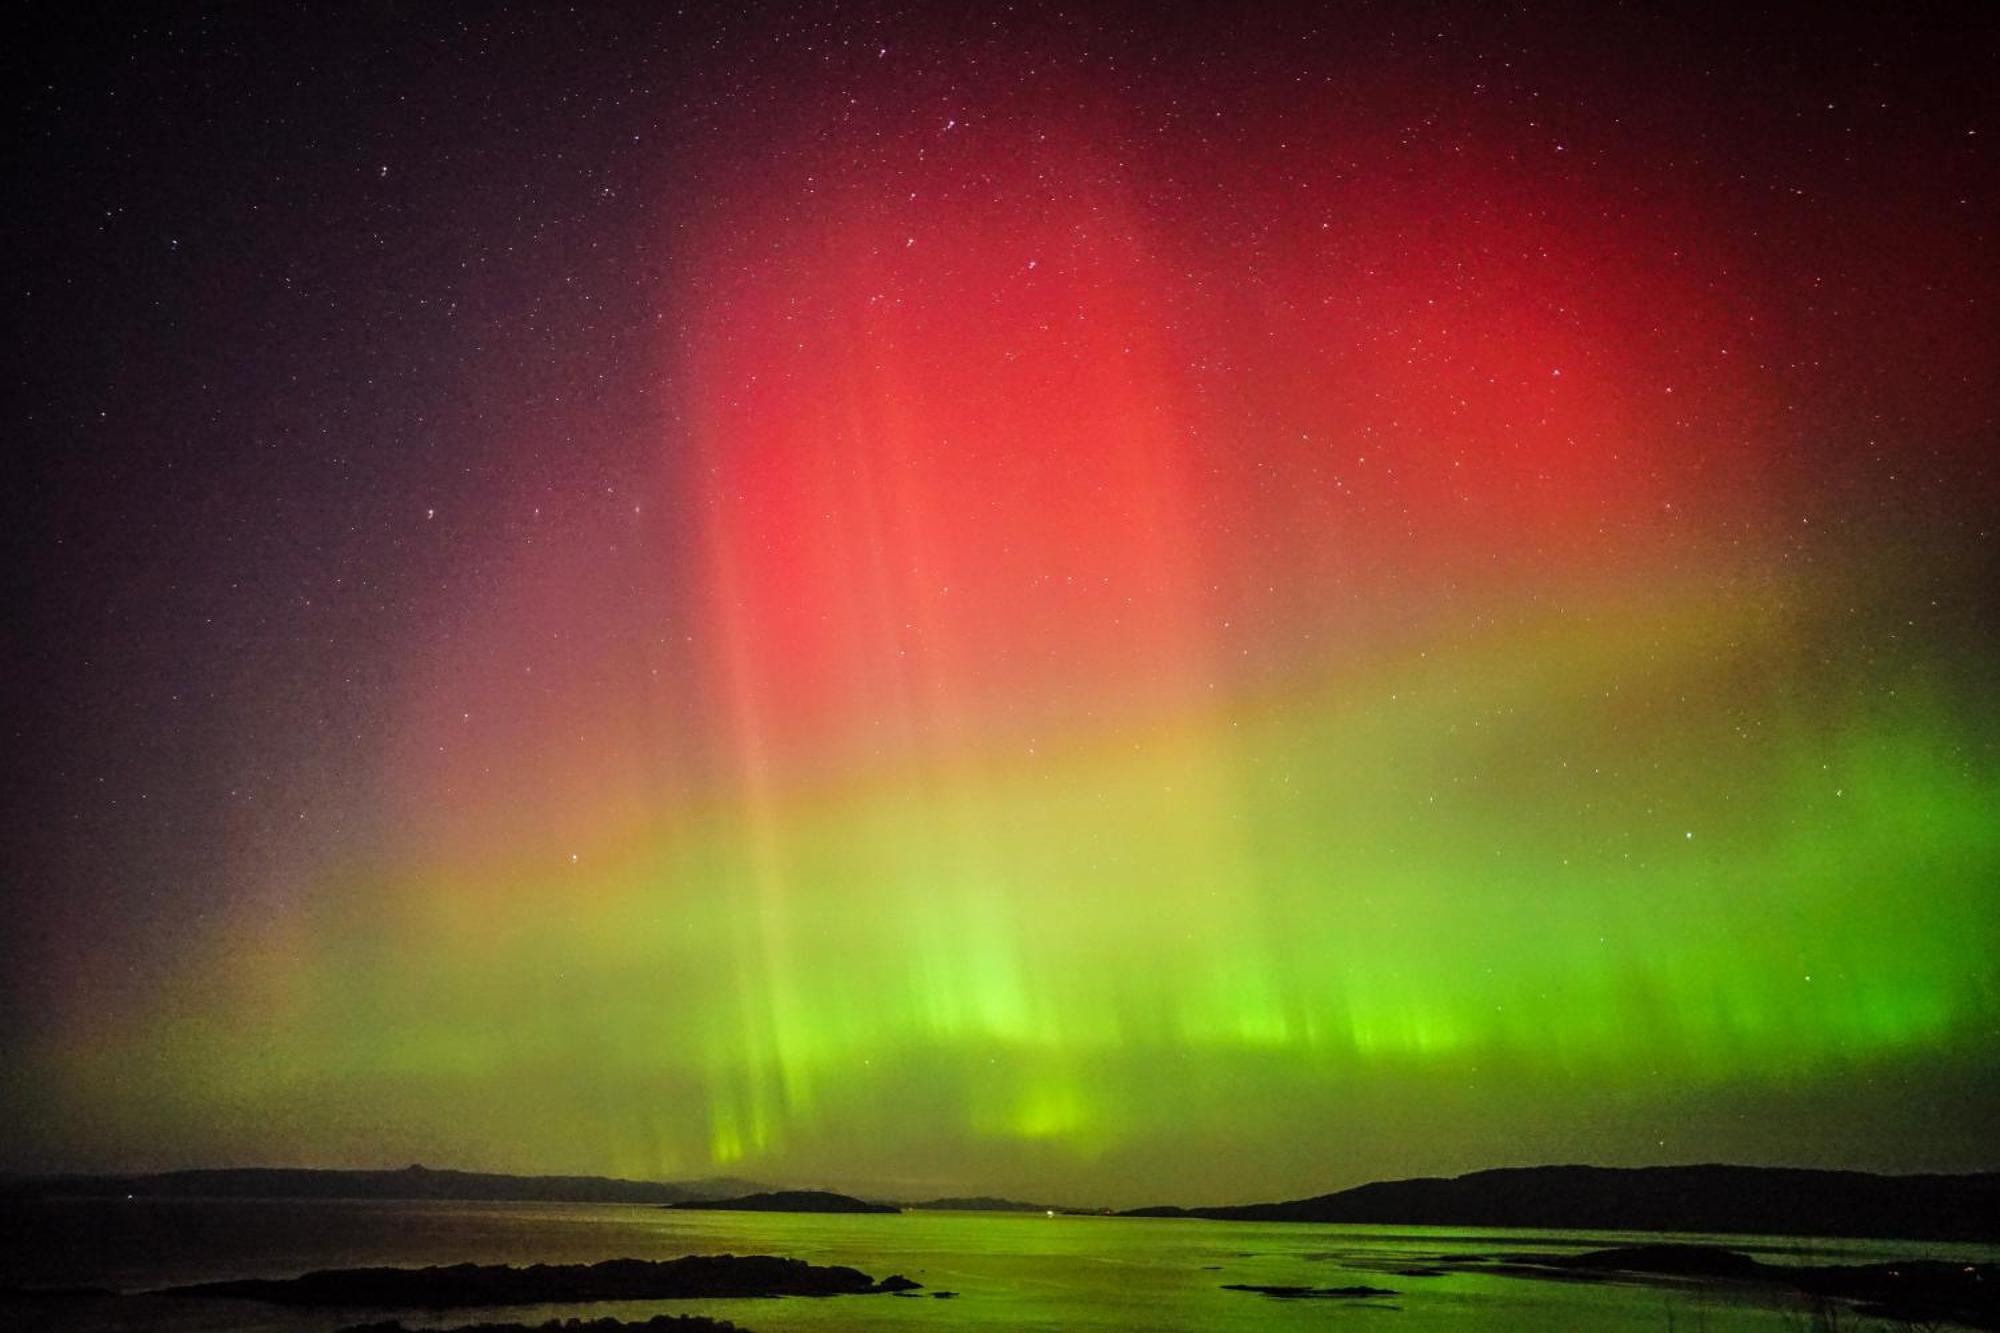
[1010,1271]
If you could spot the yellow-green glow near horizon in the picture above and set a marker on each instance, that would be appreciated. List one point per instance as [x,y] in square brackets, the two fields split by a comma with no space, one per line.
[1236,923]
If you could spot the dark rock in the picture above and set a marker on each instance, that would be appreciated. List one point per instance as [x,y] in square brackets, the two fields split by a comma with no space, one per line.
[1309,1293]
[671,1323]
[700,1275]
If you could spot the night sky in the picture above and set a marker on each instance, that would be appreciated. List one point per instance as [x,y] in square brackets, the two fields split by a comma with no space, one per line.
[1061,601]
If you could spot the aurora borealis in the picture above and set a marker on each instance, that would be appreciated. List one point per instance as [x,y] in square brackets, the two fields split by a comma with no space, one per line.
[1064,603]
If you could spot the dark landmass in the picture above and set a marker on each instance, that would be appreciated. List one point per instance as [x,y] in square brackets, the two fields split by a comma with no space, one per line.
[1742,1200]
[1310,1293]
[683,1323]
[791,1201]
[1915,1292]
[697,1275]
[984,1203]
[412,1182]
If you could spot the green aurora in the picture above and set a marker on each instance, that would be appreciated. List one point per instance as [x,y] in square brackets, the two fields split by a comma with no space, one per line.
[1440,895]
[904,617]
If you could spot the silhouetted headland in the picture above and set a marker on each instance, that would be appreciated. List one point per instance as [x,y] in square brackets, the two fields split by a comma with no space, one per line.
[695,1276]
[791,1201]
[411,1182]
[1739,1200]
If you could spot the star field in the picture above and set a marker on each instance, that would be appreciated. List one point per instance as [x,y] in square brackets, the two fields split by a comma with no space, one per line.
[1082,603]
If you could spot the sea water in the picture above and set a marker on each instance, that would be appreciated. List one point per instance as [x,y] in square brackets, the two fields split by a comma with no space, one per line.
[1008,1270]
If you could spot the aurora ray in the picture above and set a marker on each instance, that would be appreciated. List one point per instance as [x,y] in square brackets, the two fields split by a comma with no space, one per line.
[1092,642]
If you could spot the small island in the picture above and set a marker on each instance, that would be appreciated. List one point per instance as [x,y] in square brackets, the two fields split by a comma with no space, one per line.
[789,1201]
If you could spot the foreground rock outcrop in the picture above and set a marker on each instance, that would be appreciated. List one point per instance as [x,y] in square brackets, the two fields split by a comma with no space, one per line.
[697,1275]
[659,1323]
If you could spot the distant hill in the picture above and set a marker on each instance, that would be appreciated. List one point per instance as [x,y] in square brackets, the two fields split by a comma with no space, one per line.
[791,1201]
[984,1203]
[412,1182]
[1746,1200]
